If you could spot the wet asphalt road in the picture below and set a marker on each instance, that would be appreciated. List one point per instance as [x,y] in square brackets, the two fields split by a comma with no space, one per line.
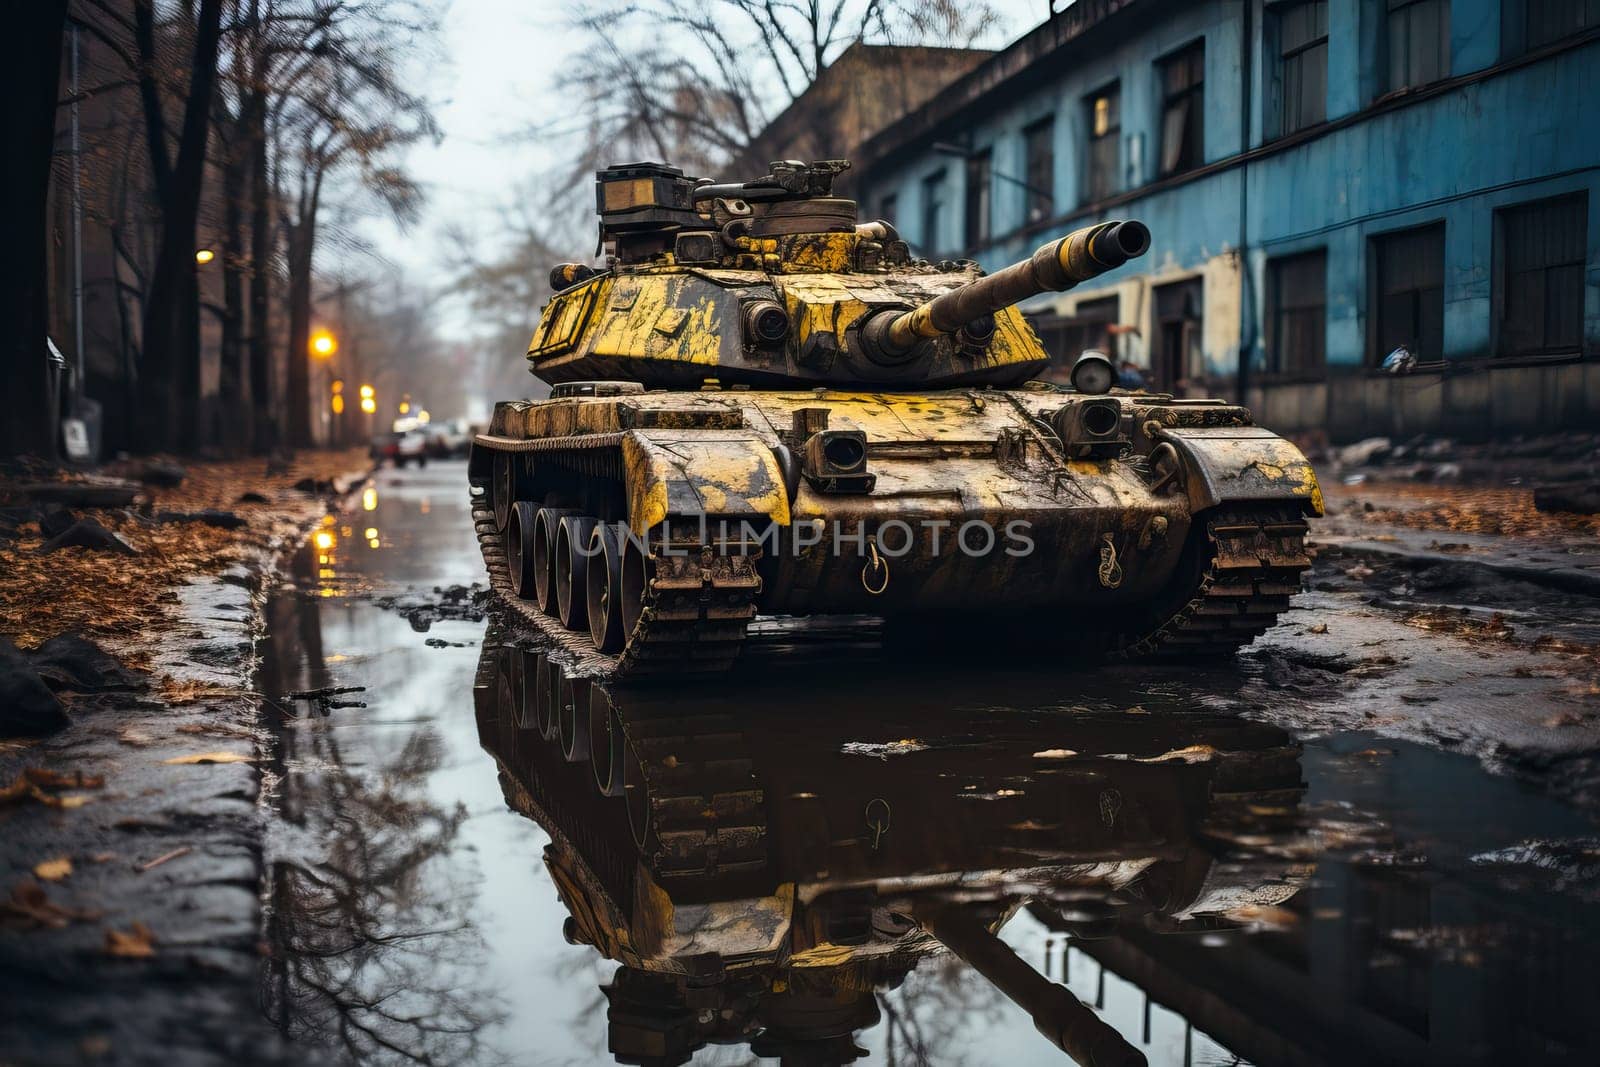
[1422,908]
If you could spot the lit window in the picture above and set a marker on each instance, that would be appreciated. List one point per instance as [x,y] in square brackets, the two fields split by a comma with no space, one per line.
[1105,143]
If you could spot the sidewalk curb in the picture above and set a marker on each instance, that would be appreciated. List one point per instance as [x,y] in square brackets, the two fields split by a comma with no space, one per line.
[1564,579]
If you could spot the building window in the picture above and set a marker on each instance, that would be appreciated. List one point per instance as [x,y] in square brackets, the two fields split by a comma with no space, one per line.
[1297,302]
[1039,141]
[980,198]
[1418,41]
[888,207]
[1408,280]
[1539,284]
[1183,113]
[1545,21]
[1303,46]
[1066,338]
[932,211]
[1105,143]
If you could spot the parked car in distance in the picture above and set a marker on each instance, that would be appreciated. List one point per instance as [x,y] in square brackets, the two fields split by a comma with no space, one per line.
[402,447]
[449,440]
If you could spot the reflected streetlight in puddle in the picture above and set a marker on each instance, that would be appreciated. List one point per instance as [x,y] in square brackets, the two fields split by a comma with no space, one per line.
[369,498]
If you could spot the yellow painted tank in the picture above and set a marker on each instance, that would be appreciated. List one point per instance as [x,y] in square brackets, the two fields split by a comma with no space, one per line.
[761,406]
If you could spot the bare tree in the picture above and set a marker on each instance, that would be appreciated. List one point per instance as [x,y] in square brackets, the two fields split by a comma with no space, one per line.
[33,75]
[170,374]
[345,110]
[695,82]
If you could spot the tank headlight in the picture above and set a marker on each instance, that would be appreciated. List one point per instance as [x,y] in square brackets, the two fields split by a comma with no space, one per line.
[765,323]
[1093,374]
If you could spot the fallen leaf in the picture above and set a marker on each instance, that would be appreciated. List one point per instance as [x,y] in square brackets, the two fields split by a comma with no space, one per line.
[56,780]
[29,904]
[212,757]
[137,944]
[1319,628]
[53,870]
[128,735]
[1055,753]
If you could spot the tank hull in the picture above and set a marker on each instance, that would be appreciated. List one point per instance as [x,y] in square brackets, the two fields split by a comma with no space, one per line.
[972,503]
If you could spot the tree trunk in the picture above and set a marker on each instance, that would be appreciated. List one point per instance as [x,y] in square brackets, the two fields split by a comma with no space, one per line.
[268,429]
[233,384]
[302,236]
[170,378]
[27,130]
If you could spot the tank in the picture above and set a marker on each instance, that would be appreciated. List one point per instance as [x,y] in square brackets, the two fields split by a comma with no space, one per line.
[762,887]
[762,406]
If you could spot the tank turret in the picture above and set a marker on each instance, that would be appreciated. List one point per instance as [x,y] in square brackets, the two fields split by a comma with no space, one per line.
[774,281]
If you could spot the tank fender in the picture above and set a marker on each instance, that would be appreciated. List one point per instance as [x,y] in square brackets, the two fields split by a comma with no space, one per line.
[1224,464]
[720,473]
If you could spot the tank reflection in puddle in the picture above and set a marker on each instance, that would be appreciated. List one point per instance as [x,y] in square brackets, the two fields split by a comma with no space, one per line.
[760,886]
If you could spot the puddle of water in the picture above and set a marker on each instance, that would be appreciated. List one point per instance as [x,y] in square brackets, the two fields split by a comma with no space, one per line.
[446,884]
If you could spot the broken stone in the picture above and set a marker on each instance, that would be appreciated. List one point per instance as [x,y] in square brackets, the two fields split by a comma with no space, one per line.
[165,475]
[226,520]
[55,519]
[1360,454]
[103,494]
[1582,499]
[86,533]
[27,706]
[68,661]
[251,497]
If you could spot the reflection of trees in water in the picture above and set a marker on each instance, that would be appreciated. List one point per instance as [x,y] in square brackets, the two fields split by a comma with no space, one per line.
[370,940]
[940,1002]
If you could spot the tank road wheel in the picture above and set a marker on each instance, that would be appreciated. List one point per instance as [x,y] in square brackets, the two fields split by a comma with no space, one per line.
[572,717]
[606,742]
[519,548]
[546,525]
[572,571]
[636,793]
[546,692]
[605,587]
[504,491]
[635,584]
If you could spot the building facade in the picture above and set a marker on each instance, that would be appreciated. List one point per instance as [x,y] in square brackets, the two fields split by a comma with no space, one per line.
[1326,182]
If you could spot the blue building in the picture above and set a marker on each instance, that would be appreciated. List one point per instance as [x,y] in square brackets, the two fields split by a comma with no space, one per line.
[1326,181]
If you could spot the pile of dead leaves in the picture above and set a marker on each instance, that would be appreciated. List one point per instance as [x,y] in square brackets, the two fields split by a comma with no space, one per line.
[99,594]
[1507,512]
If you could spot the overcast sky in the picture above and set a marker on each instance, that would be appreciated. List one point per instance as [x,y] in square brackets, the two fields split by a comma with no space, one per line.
[493,84]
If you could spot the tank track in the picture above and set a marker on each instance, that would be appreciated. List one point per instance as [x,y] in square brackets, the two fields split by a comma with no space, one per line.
[705,804]
[1255,559]
[696,610]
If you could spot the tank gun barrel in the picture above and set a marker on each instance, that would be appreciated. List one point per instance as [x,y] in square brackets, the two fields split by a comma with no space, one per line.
[1059,1016]
[1057,266]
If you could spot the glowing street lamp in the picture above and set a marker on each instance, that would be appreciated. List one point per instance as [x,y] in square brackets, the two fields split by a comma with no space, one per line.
[366,392]
[369,405]
[323,343]
[203,256]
